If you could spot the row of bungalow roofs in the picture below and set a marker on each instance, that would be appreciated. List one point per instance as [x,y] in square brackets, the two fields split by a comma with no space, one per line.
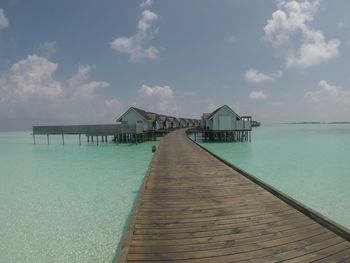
[155,121]
[222,119]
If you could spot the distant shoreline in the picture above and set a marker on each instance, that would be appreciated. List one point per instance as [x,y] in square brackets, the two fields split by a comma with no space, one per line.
[317,122]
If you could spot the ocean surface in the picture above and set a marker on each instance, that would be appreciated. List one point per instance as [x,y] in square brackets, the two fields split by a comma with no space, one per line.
[66,203]
[309,162]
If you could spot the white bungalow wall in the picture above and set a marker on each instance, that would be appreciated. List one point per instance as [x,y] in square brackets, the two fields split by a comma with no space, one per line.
[132,117]
[223,119]
[243,125]
[167,124]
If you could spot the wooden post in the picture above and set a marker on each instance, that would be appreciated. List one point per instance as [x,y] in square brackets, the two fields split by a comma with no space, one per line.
[34,137]
[97,140]
[62,138]
[48,139]
[79,139]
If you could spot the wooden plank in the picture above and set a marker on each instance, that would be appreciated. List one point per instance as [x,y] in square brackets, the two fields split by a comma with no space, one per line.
[195,208]
[334,253]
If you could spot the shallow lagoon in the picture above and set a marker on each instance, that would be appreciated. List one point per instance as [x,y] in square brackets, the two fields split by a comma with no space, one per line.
[66,203]
[311,163]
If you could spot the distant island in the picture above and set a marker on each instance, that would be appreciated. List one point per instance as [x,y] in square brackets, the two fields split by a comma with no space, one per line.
[318,122]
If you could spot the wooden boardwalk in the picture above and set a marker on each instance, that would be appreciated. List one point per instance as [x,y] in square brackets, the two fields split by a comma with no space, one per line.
[194,208]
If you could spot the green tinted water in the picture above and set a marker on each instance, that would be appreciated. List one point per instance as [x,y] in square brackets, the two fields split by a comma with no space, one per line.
[66,203]
[311,163]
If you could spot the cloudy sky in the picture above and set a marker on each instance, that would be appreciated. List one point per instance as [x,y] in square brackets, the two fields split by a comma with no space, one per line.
[87,61]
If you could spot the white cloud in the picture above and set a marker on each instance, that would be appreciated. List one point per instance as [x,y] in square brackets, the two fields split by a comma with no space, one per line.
[4,22]
[327,93]
[31,77]
[29,90]
[164,91]
[148,17]
[291,33]
[257,95]
[137,46]
[256,77]
[114,104]
[146,3]
[82,90]
[327,102]
[159,99]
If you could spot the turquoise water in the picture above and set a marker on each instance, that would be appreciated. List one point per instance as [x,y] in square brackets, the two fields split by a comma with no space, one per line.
[66,203]
[311,163]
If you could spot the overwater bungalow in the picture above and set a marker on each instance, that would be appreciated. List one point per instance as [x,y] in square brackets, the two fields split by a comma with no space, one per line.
[176,123]
[156,123]
[153,121]
[224,123]
[182,123]
[161,120]
[170,122]
[137,116]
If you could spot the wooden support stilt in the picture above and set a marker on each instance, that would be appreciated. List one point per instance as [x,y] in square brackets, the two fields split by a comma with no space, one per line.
[62,139]
[97,140]
[79,139]
[34,138]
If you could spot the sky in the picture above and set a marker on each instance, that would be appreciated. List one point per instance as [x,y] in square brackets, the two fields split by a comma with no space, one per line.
[85,61]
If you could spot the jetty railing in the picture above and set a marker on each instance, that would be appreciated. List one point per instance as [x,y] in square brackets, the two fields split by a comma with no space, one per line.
[120,132]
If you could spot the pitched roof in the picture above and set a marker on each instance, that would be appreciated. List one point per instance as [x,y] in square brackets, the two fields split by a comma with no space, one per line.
[152,115]
[205,116]
[215,111]
[139,111]
[161,117]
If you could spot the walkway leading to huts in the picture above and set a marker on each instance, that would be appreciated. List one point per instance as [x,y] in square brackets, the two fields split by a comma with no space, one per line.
[194,208]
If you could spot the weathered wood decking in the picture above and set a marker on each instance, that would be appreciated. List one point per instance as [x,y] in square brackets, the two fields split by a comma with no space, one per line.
[194,208]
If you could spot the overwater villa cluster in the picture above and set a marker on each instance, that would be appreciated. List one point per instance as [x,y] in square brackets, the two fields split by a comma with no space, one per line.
[137,125]
[156,122]
[223,124]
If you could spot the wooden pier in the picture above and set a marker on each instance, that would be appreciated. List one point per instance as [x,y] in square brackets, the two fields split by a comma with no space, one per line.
[193,207]
[132,133]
